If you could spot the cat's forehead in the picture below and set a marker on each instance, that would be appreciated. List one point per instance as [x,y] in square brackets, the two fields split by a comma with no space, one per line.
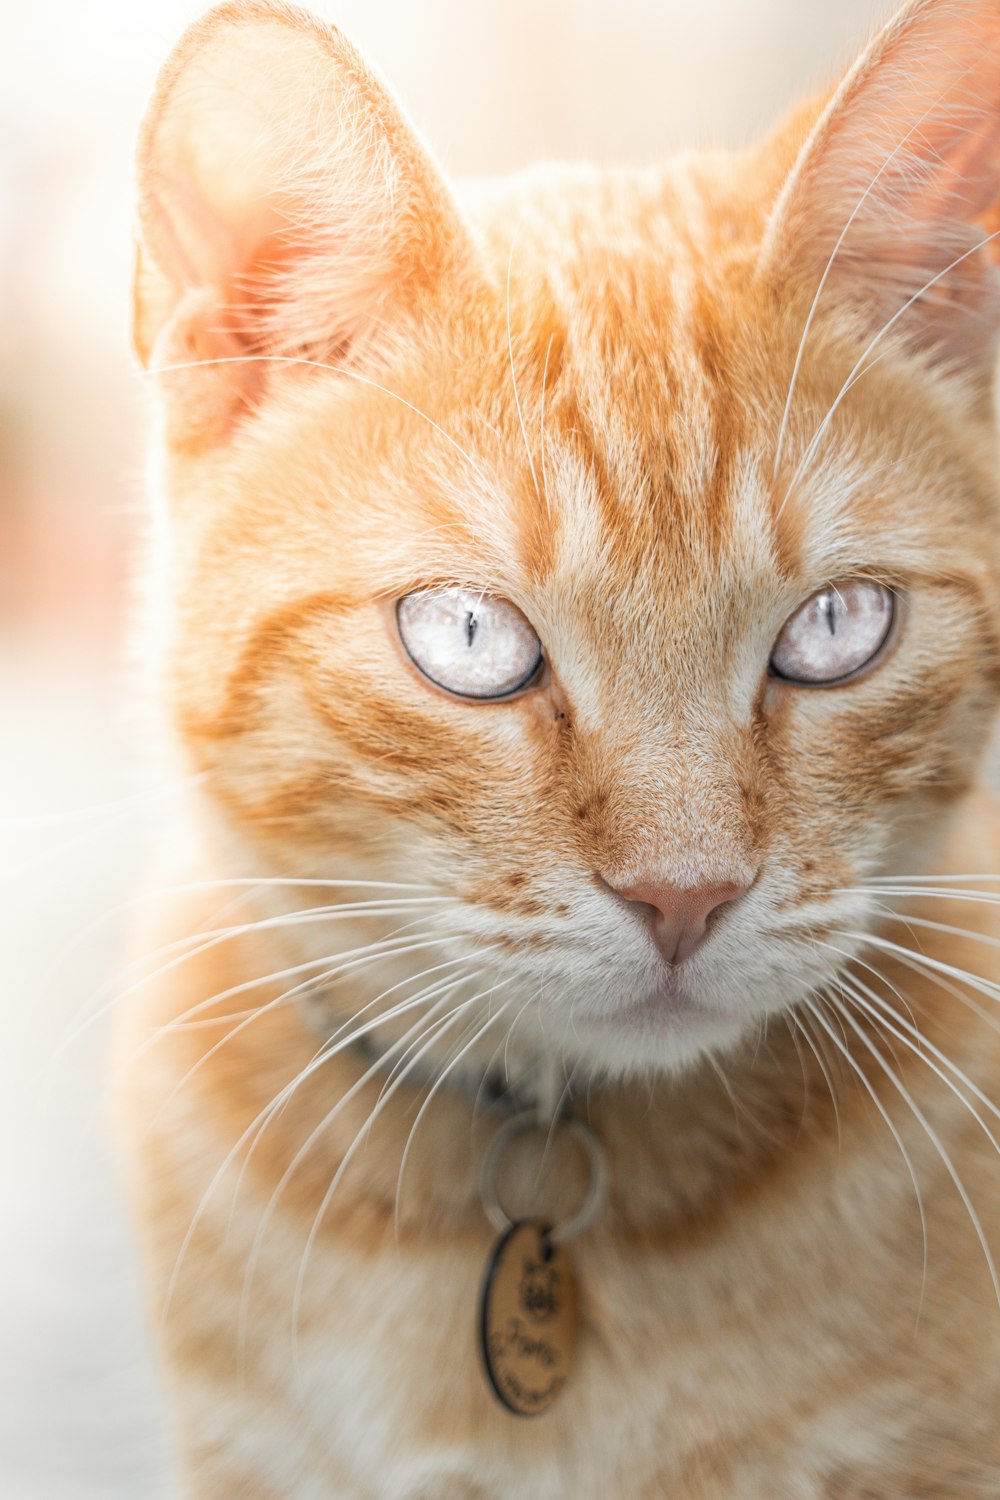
[629,377]
[639,379]
[631,462]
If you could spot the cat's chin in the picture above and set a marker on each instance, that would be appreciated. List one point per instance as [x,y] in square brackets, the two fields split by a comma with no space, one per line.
[665,1008]
[667,1028]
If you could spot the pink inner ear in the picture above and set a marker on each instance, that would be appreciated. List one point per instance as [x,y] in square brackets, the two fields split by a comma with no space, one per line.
[898,187]
[279,194]
[186,238]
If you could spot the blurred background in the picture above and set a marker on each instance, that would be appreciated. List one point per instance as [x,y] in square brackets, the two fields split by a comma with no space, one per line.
[493,87]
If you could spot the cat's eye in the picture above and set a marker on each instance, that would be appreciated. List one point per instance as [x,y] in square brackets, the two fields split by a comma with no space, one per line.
[469,643]
[835,633]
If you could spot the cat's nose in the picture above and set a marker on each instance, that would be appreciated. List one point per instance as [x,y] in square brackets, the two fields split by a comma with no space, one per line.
[679,918]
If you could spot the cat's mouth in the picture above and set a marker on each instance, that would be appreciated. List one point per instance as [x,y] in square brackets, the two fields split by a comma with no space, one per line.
[667,1004]
[667,1023]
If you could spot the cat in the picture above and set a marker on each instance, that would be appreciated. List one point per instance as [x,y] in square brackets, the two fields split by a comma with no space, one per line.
[578,611]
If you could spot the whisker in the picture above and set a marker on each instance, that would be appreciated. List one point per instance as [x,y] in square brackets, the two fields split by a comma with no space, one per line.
[941,880]
[738,1105]
[318,364]
[852,1062]
[861,367]
[437,1029]
[964,932]
[814,305]
[912,961]
[513,380]
[860,962]
[346,962]
[789,1019]
[248,885]
[935,1141]
[205,938]
[811,1041]
[477,1035]
[881,1010]
[974,981]
[929,893]
[311,984]
[437,992]
[333,1044]
[212,941]
[324,1054]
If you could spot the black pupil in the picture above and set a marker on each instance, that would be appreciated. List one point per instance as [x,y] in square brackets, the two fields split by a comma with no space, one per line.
[471,626]
[828,607]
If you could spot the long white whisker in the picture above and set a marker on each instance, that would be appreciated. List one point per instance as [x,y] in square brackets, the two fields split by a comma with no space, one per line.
[324,1054]
[935,1141]
[964,932]
[203,939]
[513,381]
[800,1021]
[887,1015]
[975,982]
[912,961]
[862,364]
[333,1044]
[438,993]
[246,885]
[926,893]
[875,973]
[807,327]
[852,1062]
[438,1030]
[226,935]
[311,984]
[477,1035]
[918,880]
[318,364]
[320,972]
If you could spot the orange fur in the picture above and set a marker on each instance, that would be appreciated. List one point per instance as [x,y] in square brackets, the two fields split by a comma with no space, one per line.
[571,390]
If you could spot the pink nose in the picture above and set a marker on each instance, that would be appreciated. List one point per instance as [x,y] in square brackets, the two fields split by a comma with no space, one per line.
[678,918]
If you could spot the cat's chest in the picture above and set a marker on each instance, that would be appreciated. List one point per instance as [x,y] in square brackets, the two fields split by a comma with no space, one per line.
[694,1403]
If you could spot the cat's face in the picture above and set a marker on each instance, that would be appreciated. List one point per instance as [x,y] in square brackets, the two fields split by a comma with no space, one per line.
[636,774]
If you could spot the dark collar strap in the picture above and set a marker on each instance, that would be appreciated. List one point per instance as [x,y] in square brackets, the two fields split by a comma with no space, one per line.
[494,1091]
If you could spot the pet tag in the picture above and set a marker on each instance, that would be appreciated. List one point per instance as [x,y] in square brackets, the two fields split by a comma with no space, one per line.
[528,1302]
[527,1318]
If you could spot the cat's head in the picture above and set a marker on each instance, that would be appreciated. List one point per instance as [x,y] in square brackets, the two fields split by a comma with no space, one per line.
[609,557]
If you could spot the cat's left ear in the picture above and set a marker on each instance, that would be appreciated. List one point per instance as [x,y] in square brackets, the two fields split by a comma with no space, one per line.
[286,211]
[894,200]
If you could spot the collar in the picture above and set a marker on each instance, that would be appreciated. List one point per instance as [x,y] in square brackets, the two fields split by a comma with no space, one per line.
[544,1087]
[547,1093]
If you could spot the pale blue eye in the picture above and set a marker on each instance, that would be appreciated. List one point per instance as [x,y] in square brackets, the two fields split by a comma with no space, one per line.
[836,632]
[470,643]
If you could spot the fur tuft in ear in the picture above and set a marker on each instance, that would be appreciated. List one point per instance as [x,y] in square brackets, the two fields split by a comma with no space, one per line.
[896,193]
[285,207]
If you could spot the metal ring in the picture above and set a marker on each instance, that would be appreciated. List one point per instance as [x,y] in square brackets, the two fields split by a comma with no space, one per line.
[520,1124]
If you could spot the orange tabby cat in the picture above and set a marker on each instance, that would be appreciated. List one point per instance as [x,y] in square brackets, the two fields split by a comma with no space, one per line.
[581,614]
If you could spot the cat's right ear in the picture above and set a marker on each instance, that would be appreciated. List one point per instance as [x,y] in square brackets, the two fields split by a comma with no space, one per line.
[893,205]
[286,211]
